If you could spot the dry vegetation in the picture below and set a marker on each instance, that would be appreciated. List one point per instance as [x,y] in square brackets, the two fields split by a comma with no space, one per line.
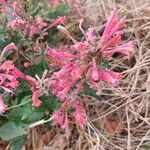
[120,120]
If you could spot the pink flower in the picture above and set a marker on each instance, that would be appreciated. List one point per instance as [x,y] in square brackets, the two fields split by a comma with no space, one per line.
[58,21]
[27,64]
[65,69]
[31,81]
[109,77]
[78,71]
[3,10]
[63,93]
[41,24]
[18,73]
[7,66]
[8,80]
[69,36]
[80,114]
[83,58]
[90,34]
[80,46]
[17,23]
[114,41]
[2,105]
[127,48]
[60,55]
[32,31]
[35,98]
[54,3]
[112,26]
[9,47]
[95,73]
[9,77]
[60,117]
[5,3]
[79,87]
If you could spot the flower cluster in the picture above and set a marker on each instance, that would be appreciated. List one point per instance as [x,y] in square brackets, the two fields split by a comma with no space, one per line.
[9,75]
[80,62]
[60,117]
[77,64]
[8,78]
[23,21]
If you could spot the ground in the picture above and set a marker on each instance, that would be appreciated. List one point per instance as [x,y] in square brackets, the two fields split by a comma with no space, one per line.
[120,119]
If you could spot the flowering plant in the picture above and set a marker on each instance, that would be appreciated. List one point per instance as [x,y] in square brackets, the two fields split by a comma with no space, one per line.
[80,63]
[58,86]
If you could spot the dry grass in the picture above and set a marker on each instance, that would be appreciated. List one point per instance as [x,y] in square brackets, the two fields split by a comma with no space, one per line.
[130,103]
[127,105]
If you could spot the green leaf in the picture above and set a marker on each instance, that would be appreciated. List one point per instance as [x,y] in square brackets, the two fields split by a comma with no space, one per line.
[31,114]
[26,98]
[105,64]
[62,8]
[89,91]
[9,131]
[15,117]
[9,17]
[50,103]
[23,92]
[18,142]
[70,110]
[28,110]
[3,40]
[35,116]
[60,11]
[38,68]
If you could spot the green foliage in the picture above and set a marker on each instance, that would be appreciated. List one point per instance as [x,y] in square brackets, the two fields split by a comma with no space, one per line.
[18,142]
[10,131]
[16,135]
[3,40]
[104,64]
[70,110]
[29,114]
[38,68]
[89,91]
[59,11]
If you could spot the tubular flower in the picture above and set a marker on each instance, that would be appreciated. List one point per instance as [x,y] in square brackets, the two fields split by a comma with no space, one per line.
[80,114]
[2,105]
[35,98]
[9,47]
[3,2]
[81,62]
[60,117]
[54,3]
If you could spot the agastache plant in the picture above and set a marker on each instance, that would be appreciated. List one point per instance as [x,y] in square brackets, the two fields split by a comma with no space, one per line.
[81,64]
[77,64]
